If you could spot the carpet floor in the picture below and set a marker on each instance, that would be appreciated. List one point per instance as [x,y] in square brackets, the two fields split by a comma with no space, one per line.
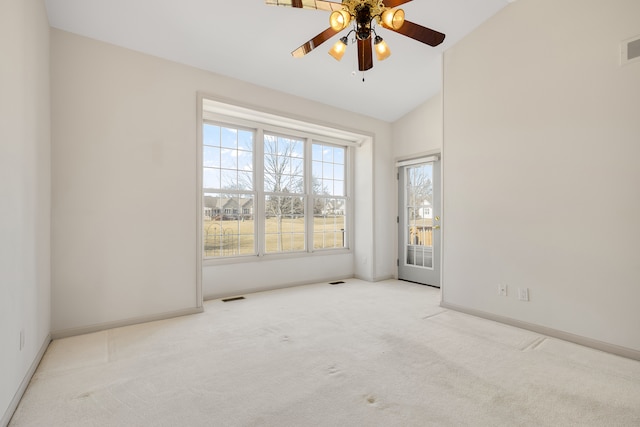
[354,354]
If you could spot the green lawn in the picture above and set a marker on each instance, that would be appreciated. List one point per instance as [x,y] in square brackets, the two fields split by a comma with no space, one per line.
[236,237]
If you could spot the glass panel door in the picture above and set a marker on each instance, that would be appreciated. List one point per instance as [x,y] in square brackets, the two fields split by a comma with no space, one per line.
[419,223]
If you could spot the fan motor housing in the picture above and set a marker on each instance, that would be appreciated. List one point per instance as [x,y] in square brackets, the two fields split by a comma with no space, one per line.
[363,20]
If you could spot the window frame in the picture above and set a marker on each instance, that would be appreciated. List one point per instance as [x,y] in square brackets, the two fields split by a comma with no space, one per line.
[309,138]
[346,197]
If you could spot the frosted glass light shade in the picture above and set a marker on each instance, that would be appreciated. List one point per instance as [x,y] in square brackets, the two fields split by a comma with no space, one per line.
[393,18]
[339,48]
[382,50]
[339,19]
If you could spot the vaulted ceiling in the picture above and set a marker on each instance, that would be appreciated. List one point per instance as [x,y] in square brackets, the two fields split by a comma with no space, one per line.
[251,41]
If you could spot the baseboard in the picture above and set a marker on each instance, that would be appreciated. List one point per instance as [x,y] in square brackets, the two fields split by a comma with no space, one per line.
[382,278]
[4,422]
[374,279]
[64,333]
[629,353]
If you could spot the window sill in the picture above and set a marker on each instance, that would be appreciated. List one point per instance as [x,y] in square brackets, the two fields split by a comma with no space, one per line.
[207,262]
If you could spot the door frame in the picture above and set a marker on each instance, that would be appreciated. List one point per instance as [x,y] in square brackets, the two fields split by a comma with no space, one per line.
[434,155]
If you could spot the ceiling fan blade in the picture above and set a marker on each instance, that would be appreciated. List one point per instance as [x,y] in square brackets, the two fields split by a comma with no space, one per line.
[395,3]
[419,33]
[314,42]
[306,4]
[365,54]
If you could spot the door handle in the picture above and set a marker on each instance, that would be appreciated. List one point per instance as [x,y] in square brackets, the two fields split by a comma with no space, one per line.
[436,227]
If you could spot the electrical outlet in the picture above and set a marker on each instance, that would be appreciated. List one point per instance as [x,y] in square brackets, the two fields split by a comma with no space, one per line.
[21,339]
[502,290]
[523,294]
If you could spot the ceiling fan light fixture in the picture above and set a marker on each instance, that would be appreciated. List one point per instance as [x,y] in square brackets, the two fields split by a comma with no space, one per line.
[339,19]
[339,48]
[393,18]
[382,49]
[365,16]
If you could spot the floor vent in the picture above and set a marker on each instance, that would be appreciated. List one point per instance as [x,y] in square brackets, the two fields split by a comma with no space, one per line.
[232,299]
[336,283]
[630,50]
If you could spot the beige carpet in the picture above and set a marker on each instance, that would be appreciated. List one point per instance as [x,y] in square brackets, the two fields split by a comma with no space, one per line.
[355,354]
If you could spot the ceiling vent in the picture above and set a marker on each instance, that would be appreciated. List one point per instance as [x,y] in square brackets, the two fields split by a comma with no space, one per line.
[630,50]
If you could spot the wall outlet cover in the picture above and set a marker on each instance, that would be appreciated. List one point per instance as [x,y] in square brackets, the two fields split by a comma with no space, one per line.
[523,294]
[502,290]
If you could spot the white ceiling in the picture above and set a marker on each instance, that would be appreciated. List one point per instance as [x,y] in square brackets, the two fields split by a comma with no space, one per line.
[251,41]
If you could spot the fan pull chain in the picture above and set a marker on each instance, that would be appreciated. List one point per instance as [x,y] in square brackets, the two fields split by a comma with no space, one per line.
[362,55]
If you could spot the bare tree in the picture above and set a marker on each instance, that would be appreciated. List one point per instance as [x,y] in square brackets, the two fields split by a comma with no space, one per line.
[420,188]
[284,179]
[318,190]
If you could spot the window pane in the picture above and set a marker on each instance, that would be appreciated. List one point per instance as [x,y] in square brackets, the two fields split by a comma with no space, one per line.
[327,186]
[270,144]
[329,230]
[245,140]
[297,184]
[338,188]
[284,224]
[229,179]
[284,148]
[229,158]
[283,165]
[211,178]
[245,160]
[317,169]
[327,168]
[228,221]
[245,181]
[316,151]
[297,148]
[419,214]
[327,171]
[211,135]
[229,228]
[297,166]
[211,156]
[327,154]
[229,138]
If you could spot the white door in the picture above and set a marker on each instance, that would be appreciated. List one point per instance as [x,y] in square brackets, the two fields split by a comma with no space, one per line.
[419,222]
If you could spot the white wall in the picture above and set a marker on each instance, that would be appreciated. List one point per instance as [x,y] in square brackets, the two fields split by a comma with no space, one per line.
[541,176]
[419,131]
[234,279]
[124,185]
[25,191]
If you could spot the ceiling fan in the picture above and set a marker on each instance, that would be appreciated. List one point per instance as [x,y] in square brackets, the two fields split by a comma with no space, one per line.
[363,13]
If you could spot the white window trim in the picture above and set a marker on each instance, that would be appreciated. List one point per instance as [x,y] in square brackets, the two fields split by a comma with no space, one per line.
[265,122]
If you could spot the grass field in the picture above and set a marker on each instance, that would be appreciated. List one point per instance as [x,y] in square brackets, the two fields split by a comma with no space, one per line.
[236,237]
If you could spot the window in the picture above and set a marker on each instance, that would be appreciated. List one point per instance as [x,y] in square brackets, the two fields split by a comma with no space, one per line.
[227,180]
[271,191]
[329,192]
[284,195]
